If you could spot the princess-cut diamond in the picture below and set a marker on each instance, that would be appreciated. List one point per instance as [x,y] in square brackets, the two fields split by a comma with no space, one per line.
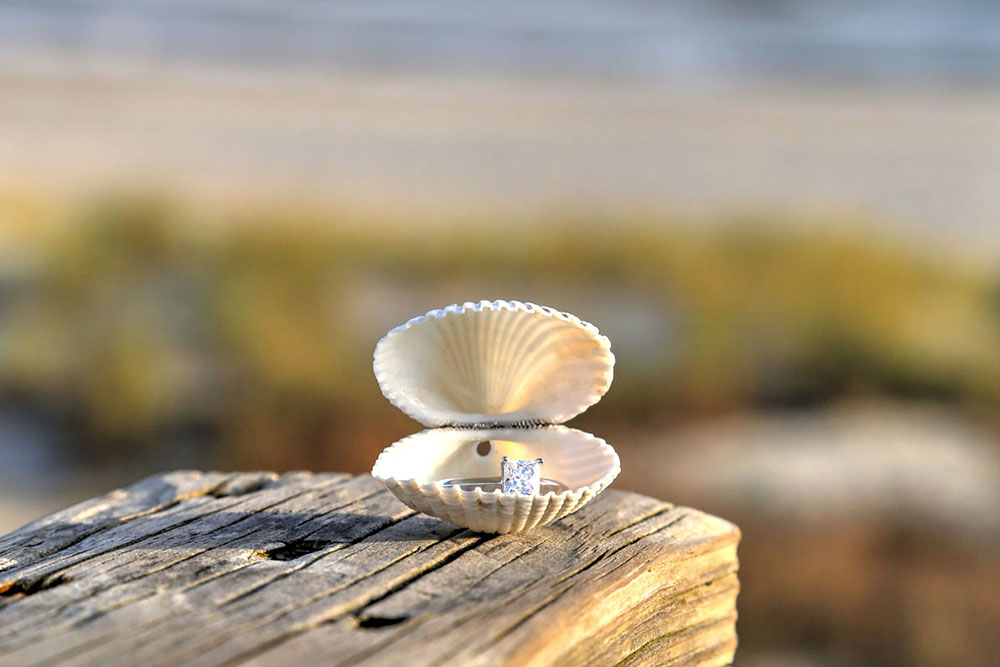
[520,476]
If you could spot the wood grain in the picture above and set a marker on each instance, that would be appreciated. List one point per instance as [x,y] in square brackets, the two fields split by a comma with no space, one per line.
[214,569]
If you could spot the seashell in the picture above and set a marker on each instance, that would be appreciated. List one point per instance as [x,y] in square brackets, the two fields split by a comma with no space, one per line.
[500,362]
[503,372]
[415,467]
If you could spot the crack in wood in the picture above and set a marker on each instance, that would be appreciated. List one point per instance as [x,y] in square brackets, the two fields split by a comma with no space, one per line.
[336,547]
[299,629]
[652,642]
[11,591]
[676,634]
[450,558]
[605,554]
[532,612]
[333,483]
[644,517]
[181,524]
[328,485]
[294,549]
[377,622]
[229,490]
[357,613]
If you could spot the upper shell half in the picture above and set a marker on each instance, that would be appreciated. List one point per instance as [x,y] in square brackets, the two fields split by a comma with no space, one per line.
[494,363]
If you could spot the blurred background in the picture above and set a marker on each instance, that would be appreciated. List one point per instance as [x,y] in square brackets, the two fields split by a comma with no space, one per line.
[785,215]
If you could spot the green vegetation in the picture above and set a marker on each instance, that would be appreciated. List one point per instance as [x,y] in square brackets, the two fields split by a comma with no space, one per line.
[138,320]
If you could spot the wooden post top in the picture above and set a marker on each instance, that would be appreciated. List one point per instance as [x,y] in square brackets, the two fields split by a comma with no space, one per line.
[211,568]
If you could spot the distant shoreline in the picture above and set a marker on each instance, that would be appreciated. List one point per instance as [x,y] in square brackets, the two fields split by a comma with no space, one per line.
[922,162]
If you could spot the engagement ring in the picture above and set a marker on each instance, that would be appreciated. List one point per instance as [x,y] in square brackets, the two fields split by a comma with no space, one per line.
[517,476]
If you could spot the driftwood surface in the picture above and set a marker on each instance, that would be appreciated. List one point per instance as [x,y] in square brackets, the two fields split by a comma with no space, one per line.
[212,569]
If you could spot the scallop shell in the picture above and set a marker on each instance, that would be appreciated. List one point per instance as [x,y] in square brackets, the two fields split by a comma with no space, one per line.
[500,371]
[415,468]
[494,363]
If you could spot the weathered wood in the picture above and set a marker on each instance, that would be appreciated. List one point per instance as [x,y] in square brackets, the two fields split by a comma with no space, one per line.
[213,569]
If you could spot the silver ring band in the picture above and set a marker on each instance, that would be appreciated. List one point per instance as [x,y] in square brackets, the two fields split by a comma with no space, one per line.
[489,484]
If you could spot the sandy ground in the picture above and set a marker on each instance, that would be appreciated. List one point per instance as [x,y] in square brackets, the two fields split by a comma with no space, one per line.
[921,164]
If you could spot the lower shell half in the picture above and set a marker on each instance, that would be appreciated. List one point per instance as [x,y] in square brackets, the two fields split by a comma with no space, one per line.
[415,469]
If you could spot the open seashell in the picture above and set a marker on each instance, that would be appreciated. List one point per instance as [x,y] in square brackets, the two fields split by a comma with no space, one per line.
[502,372]
[415,469]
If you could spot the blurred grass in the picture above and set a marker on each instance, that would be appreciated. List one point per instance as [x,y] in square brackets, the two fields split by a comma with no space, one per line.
[137,319]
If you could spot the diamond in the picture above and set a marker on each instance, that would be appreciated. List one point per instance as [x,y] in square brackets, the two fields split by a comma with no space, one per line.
[520,476]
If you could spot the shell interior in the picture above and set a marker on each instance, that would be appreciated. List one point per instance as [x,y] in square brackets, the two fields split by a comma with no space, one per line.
[494,363]
[575,458]
[416,467]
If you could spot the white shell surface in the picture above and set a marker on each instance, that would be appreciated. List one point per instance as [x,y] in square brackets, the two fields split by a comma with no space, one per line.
[415,468]
[494,363]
